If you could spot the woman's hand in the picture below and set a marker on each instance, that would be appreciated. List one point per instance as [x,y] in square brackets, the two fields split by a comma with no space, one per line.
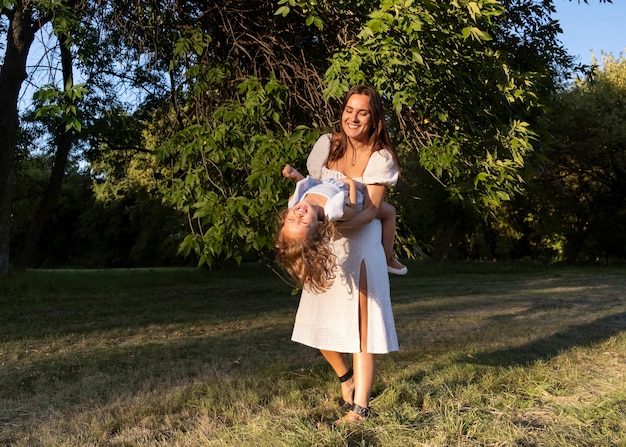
[352,191]
[372,199]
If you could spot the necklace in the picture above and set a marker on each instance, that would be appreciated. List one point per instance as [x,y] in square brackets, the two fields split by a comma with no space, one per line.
[355,157]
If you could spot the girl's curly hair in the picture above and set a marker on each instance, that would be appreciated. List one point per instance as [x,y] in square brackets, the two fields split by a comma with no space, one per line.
[309,262]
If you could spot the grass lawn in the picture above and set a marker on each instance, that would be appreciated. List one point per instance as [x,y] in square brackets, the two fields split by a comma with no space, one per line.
[490,355]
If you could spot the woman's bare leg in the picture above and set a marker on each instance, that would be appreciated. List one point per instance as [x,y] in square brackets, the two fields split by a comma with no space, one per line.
[340,366]
[364,362]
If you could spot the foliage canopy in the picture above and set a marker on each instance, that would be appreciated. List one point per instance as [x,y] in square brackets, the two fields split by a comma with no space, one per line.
[211,99]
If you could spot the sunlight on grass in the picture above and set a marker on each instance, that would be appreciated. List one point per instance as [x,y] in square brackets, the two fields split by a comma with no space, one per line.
[490,356]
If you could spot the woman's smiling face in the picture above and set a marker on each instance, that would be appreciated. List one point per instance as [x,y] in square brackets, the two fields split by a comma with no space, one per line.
[356,118]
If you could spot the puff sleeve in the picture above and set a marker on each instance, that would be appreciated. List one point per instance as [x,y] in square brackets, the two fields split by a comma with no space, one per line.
[318,156]
[381,169]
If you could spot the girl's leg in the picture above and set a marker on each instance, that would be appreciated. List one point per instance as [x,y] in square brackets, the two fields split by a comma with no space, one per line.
[387,216]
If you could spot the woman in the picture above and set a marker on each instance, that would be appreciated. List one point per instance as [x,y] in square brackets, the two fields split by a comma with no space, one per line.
[354,314]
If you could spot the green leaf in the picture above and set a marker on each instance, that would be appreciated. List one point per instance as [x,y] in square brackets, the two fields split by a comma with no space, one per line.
[480,177]
[417,57]
[473,9]
[375,26]
[283,11]
[319,23]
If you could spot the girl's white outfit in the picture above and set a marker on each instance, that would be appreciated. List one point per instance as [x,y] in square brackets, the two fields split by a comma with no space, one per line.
[335,191]
[330,320]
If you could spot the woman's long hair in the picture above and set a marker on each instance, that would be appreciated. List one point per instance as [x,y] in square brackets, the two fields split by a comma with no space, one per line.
[309,262]
[379,136]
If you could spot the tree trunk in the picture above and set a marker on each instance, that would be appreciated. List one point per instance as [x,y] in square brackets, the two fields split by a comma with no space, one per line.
[49,200]
[446,245]
[20,35]
[491,240]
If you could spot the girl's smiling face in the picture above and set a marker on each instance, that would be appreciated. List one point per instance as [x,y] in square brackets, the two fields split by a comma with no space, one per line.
[356,118]
[301,221]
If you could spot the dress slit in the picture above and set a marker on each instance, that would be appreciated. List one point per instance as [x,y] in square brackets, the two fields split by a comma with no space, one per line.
[363,306]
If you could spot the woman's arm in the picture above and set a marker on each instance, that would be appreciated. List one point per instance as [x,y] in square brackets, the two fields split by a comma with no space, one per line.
[371,202]
[350,209]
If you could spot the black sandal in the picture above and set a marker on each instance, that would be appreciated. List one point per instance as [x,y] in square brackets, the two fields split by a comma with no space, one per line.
[362,412]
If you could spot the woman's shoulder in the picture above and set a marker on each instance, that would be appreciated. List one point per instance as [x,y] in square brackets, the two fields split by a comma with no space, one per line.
[318,156]
[324,140]
[384,154]
[381,168]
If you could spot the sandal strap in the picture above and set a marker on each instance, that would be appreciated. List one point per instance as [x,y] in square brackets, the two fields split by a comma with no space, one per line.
[347,376]
[363,412]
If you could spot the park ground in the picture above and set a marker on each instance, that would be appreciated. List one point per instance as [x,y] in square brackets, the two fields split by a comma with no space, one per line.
[507,354]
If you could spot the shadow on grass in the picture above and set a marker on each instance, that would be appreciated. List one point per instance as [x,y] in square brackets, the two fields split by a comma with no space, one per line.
[227,365]
[84,302]
[545,348]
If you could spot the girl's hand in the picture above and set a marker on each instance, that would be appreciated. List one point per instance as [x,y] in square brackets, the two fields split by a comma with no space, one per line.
[292,173]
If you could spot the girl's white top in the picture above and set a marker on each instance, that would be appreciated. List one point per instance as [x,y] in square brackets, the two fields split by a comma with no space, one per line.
[336,192]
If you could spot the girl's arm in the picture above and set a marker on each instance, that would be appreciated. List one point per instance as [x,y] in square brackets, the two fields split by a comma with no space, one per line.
[292,173]
[371,202]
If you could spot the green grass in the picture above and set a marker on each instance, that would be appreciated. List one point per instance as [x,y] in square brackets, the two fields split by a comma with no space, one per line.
[491,355]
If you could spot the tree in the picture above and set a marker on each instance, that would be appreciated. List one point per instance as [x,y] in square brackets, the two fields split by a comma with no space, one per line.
[224,173]
[581,194]
[446,69]
[23,23]
[225,113]
[240,86]
[460,105]
[25,19]
[127,224]
[61,242]
[66,124]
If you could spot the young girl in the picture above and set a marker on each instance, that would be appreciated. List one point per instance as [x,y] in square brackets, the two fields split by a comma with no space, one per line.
[307,226]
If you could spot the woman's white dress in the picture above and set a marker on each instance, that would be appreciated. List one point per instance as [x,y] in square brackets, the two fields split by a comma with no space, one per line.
[330,320]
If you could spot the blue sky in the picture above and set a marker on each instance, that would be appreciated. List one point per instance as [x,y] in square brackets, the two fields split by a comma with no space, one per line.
[596,26]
